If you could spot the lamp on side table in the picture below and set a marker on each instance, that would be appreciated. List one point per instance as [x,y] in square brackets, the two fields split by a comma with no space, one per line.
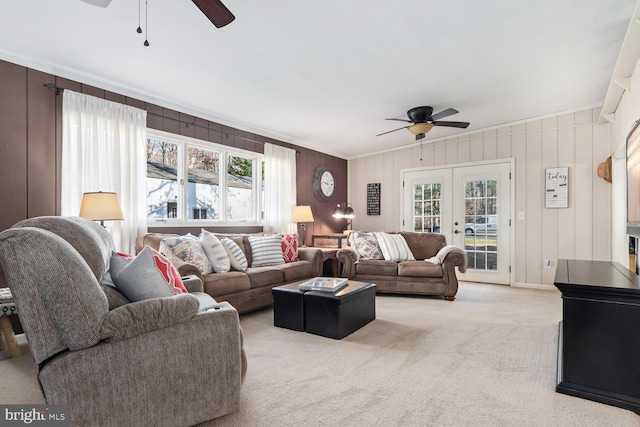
[101,206]
[301,215]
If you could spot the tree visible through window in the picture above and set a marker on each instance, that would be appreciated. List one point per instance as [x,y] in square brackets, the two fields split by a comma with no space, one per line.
[184,180]
[162,179]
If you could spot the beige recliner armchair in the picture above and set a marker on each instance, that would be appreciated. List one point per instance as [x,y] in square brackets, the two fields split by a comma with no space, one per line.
[173,361]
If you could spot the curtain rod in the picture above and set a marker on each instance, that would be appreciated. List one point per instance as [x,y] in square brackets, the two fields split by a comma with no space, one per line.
[58,90]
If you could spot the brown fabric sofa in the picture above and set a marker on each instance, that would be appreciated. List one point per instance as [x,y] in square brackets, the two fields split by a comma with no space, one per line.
[251,289]
[175,361]
[418,277]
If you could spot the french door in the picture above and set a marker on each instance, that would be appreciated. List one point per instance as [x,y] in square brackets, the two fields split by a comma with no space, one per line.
[471,206]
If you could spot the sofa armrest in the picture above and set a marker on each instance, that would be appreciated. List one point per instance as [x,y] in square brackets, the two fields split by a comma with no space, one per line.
[347,257]
[140,317]
[186,269]
[192,283]
[314,256]
[453,256]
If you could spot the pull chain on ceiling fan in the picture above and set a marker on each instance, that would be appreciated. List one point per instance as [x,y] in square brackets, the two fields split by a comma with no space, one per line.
[214,10]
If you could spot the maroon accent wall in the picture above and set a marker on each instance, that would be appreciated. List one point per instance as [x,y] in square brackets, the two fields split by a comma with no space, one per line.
[31,142]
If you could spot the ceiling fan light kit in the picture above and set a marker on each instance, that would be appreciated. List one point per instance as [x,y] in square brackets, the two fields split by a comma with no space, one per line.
[419,128]
[423,120]
[99,3]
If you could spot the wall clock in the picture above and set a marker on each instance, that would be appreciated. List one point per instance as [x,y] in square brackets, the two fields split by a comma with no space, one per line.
[323,183]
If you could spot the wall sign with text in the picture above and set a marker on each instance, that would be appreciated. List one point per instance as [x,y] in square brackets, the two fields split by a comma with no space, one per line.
[373,199]
[556,187]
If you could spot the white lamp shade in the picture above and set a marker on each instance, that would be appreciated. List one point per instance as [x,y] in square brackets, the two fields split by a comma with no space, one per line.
[101,206]
[302,213]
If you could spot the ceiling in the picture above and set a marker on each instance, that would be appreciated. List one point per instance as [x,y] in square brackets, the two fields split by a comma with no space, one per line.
[325,74]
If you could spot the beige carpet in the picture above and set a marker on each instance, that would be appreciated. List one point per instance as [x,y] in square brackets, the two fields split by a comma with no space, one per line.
[487,359]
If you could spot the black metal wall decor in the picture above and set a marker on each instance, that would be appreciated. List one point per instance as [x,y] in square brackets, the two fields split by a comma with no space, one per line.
[373,199]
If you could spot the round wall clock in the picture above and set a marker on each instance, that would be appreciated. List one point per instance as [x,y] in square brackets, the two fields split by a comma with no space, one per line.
[323,183]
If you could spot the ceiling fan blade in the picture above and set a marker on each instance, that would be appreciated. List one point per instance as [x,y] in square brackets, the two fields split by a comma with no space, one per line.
[401,120]
[100,3]
[463,125]
[444,113]
[217,13]
[384,133]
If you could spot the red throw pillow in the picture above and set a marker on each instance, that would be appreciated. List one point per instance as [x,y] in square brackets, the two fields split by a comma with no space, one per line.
[290,247]
[168,271]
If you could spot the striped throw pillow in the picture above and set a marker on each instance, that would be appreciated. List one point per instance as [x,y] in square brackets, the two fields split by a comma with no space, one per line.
[237,258]
[394,247]
[266,250]
[215,251]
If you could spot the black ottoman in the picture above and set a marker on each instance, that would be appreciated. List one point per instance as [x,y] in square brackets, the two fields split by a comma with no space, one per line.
[337,315]
[288,307]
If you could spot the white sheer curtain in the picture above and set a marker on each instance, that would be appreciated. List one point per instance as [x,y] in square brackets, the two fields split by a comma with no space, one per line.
[103,149]
[279,188]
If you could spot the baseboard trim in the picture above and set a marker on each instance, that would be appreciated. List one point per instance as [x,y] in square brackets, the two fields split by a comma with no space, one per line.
[534,286]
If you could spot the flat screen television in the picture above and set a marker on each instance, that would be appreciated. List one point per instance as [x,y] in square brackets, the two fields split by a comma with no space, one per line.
[633,180]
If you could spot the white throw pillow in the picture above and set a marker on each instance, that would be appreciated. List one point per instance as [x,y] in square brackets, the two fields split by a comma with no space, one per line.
[266,250]
[365,244]
[188,249]
[215,251]
[394,247]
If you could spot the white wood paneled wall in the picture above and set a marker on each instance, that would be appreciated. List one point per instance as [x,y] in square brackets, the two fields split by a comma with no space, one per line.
[575,140]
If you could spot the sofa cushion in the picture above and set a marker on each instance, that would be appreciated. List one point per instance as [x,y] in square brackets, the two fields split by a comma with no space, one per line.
[424,245]
[264,276]
[419,269]
[377,267]
[237,257]
[297,270]
[225,283]
[148,275]
[266,250]
[394,247]
[188,249]
[365,245]
[290,247]
[215,251]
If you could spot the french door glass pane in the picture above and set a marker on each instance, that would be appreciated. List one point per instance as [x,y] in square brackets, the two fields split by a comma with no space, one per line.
[426,212]
[481,224]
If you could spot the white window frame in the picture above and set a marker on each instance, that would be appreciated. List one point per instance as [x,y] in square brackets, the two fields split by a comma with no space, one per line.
[224,151]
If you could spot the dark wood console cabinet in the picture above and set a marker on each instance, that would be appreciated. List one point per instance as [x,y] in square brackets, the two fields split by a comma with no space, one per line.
[599,339]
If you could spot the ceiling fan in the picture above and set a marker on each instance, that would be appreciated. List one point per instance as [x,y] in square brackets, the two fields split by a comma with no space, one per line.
[217,13]
[423,120]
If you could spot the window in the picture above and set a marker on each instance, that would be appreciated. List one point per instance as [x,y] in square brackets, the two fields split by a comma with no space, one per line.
[185,181]
[426,202]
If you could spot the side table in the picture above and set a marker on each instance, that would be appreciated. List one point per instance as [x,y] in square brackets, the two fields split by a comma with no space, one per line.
[334,236]
[332,254]
[7,308]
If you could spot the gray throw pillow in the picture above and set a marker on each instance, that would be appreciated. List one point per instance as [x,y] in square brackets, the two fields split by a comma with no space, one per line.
[140,278]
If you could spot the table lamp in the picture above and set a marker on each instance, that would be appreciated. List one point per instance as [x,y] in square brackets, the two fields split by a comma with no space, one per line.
[301,215]
[344,211]
[101,206]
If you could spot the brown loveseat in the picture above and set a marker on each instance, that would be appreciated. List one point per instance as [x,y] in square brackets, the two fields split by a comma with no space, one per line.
[251,289]
[410,277]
